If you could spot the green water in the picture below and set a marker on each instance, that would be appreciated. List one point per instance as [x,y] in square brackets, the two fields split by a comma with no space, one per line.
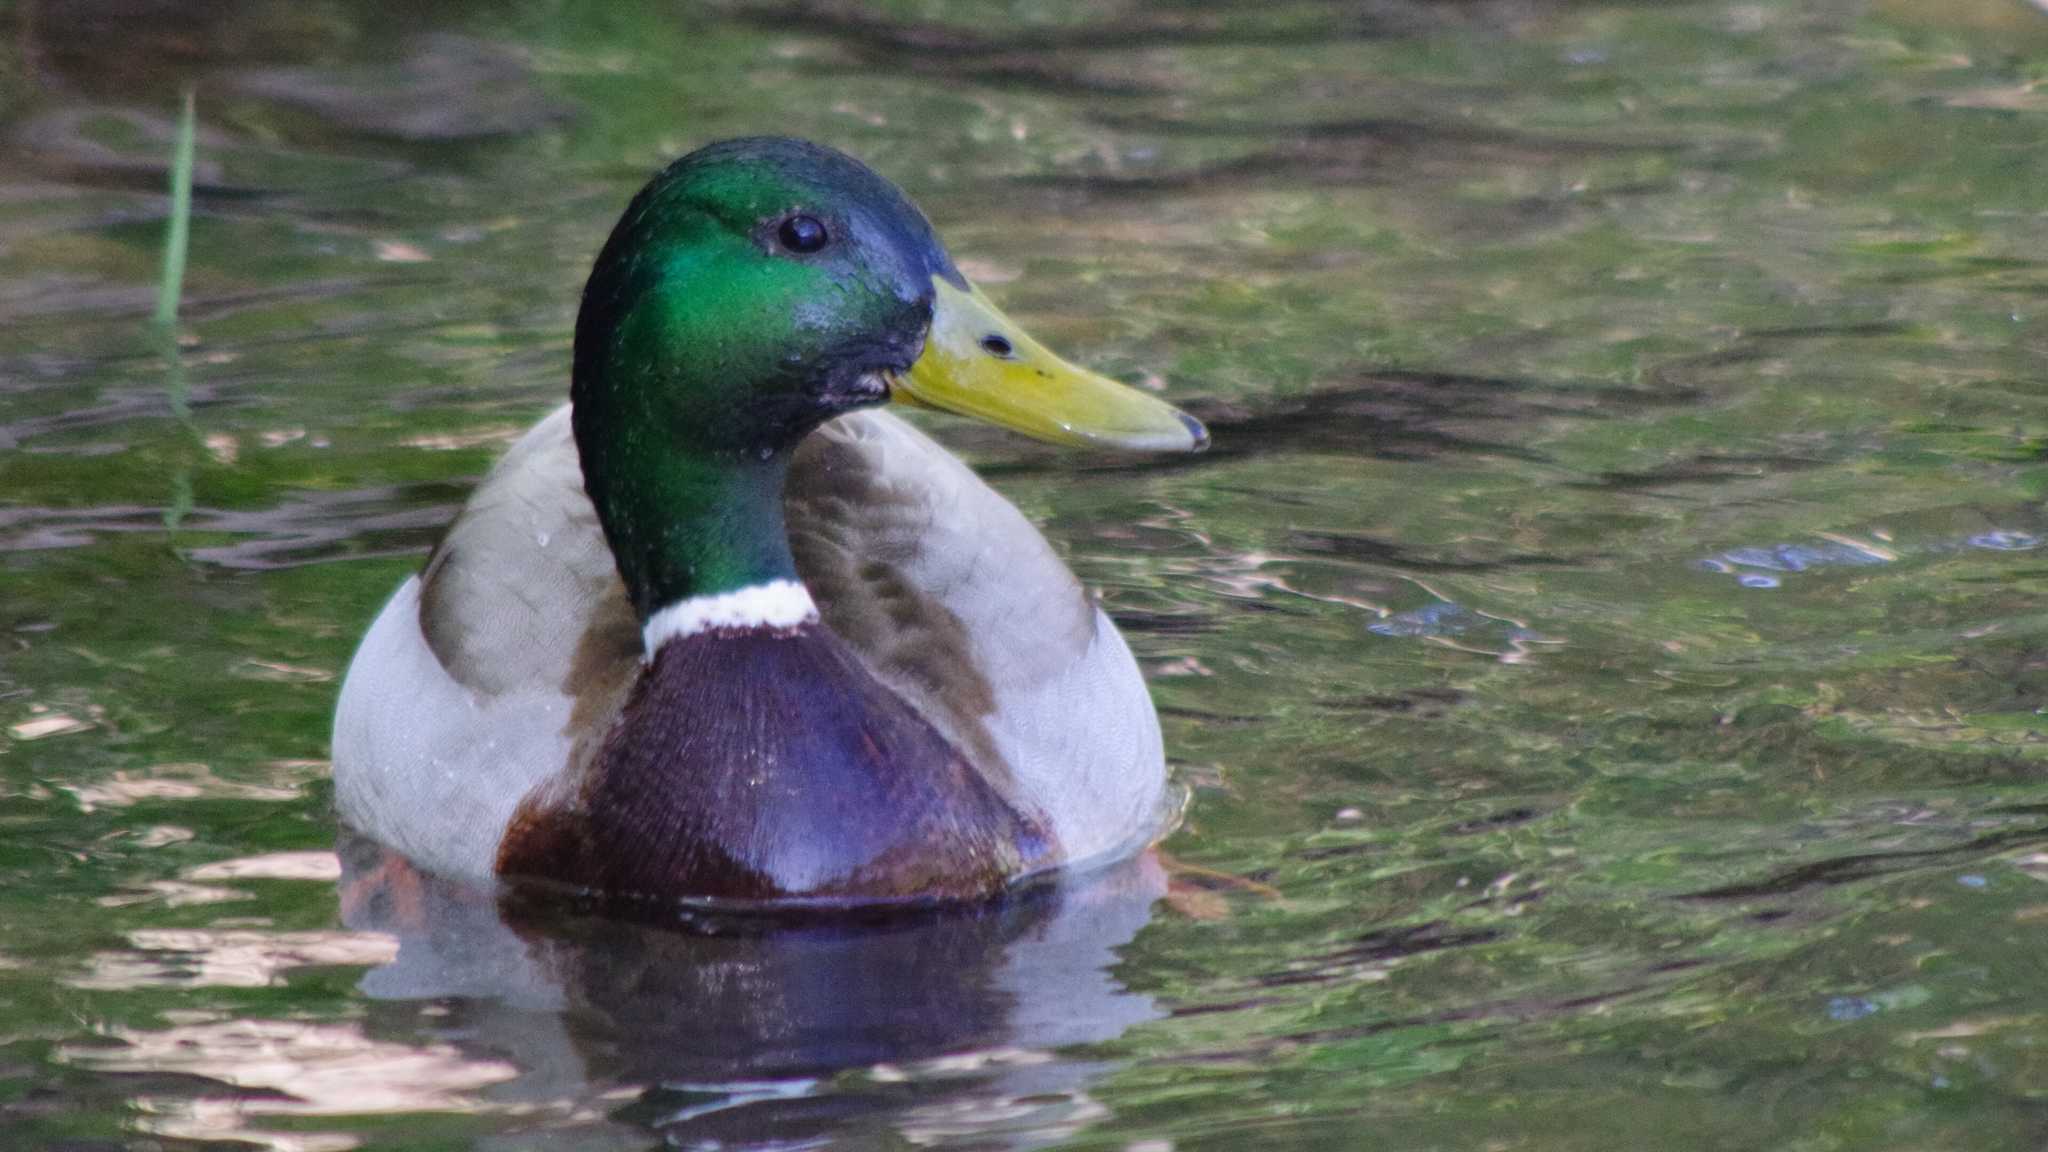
[1604,646]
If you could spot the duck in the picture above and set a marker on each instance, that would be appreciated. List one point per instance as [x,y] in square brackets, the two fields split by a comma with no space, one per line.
[722,627]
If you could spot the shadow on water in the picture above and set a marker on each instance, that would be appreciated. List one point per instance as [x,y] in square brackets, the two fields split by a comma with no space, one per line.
[1163,25]
[1359,548]
[285,118]
[1419,415]
[769,1033]
[1386,415]
[317,528]
[1423,415]
[1377,946]
[418,83]
[1857,866]
[1060,59]
[1345,153]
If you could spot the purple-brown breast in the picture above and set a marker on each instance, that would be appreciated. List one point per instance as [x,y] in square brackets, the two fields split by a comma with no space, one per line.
[764,765]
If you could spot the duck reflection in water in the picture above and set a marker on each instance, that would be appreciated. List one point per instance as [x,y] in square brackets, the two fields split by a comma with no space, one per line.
[739,1032]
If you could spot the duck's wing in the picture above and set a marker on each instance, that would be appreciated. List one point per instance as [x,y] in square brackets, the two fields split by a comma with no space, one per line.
[485,675]
[959,604]
[941,585]
[522,591]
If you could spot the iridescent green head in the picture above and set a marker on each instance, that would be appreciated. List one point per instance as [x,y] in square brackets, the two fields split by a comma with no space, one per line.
[753,290]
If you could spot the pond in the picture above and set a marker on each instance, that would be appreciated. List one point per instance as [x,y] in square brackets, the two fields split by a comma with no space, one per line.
[1604,649]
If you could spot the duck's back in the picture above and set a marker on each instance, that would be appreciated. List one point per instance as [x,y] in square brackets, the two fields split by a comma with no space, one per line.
[491,679]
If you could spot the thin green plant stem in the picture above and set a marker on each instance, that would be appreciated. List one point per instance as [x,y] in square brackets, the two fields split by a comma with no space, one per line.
[169,289]
[171,284]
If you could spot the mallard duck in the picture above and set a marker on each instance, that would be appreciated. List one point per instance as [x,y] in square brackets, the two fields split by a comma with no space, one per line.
[722,628]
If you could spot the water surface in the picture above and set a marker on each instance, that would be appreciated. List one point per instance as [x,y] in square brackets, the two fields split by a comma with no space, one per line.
[1604,646]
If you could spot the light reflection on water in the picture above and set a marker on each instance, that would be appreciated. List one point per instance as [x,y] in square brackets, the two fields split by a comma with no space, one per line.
[942,1028]
[289,1069]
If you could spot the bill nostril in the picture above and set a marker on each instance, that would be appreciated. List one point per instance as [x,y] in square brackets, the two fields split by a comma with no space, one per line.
[996,345]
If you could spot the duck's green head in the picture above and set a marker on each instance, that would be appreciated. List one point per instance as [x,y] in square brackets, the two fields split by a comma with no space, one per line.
[755,289]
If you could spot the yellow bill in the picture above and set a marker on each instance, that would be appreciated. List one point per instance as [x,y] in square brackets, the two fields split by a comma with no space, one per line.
[978,363]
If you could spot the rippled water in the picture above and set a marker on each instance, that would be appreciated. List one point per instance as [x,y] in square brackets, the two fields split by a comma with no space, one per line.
[1605,646]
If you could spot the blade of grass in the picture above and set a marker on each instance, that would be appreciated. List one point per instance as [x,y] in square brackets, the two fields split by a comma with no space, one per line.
[170,287]
[171,284]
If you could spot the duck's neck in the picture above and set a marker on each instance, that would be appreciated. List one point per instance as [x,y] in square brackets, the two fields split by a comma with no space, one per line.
[682,457]
[698,535]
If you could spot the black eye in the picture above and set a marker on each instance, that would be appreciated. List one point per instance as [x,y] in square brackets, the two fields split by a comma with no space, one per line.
[803,234]
[995,345]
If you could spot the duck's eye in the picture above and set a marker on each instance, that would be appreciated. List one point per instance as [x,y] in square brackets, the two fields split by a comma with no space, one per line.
[997,346]
[803,234]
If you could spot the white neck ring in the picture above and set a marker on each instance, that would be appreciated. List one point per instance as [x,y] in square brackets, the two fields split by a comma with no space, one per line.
[775,605]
